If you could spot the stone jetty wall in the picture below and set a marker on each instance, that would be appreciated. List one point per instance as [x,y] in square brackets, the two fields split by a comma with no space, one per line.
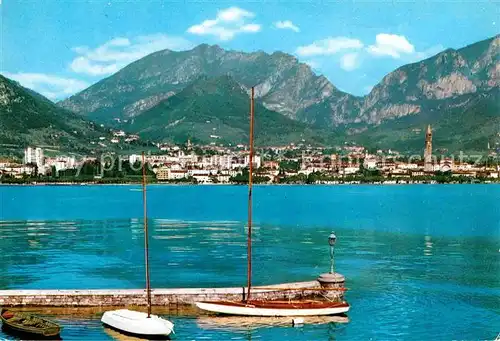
[162,297]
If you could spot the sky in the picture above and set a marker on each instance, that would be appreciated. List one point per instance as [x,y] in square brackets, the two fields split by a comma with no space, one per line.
[60,47]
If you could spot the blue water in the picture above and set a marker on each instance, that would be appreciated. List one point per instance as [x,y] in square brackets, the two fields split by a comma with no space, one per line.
[422,262]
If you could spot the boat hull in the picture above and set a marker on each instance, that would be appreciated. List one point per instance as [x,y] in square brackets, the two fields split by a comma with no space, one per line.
[137,323]
[14,324]
[255,308]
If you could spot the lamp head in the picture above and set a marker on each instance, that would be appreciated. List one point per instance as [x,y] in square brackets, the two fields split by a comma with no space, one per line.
[332,238]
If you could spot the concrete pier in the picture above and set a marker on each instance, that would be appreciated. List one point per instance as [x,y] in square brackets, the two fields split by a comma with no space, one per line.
[160,297]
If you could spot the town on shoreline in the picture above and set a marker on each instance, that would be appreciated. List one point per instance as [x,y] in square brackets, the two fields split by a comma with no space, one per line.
[290,164]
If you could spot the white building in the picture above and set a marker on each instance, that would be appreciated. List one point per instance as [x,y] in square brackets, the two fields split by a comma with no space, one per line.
[62,162]
[350,170]
[370,163]
[177,174]
[202,176]
[221,161]
[18,170]
[256,161]
[34,155]
[202,172]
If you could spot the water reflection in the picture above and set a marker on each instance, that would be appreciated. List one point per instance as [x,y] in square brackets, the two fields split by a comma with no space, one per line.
[428,246]
[391,276]
[236,323]
[120,336]
[112,249]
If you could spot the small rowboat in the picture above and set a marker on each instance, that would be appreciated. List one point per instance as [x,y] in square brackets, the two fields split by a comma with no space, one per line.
[137,323]
[29,324]
[275,308]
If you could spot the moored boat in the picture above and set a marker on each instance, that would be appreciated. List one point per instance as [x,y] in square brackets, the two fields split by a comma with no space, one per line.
[135,322]
[267,308]
[25,323]
[275,308]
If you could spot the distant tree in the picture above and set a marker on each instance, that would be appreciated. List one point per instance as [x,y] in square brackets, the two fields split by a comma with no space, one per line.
[53,171]
[290,165]
[35,167]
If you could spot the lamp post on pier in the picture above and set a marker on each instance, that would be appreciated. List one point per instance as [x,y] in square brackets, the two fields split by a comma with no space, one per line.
[332,238]
[332,280]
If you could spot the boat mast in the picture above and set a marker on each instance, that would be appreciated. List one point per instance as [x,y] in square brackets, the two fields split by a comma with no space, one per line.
[250,171]
[146,244]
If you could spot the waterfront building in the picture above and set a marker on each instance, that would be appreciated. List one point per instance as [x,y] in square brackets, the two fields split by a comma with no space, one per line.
[223,178]
[370,163]
[256,161]
[271,165]
[17,170]
[201,172]
[162,173]
[428,167]
[415,173]
[446,165]
[34,156]
[467,174]
[61,162]
[221,161]
[173,174]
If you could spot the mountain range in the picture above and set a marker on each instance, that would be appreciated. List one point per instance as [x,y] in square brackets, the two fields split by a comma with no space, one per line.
[216,109]
[203,94]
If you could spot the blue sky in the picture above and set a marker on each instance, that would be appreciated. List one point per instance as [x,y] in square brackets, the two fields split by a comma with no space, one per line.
[61,47]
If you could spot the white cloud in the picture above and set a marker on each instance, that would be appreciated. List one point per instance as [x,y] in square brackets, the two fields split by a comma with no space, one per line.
[329,46]
[234,14]
[118,52]
[227,24]
[287,24]
[392,45]
[51,86]
[349,61]
[250,28]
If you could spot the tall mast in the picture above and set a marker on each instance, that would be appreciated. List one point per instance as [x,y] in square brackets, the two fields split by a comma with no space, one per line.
[146,238]
[250,172]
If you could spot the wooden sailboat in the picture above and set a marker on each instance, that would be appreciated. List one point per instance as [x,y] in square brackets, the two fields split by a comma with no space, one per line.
[136,322]
[250,307]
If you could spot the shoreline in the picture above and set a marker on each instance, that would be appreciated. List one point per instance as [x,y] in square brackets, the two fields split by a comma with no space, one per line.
[392,183]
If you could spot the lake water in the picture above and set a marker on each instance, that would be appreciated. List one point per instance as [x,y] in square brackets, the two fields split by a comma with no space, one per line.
[422,262]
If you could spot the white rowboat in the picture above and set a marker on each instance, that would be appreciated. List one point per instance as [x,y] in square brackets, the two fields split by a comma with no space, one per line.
[137,323]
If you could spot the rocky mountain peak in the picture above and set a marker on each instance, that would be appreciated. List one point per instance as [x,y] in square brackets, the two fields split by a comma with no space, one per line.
[282,83]
[285,85]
